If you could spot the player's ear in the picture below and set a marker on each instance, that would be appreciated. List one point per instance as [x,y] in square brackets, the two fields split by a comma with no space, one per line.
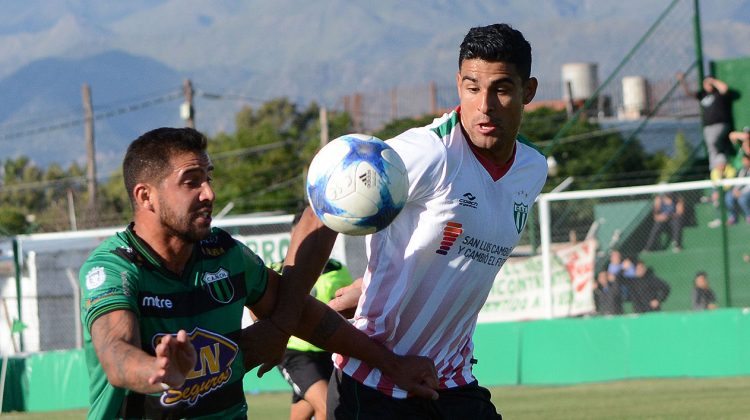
[144,197]
[529,90]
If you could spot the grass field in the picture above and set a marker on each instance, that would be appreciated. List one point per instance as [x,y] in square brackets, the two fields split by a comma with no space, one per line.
[711,398]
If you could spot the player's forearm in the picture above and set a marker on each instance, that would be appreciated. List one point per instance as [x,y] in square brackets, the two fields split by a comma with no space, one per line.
[309,249]
[130,367]
[327,329]
[115,336]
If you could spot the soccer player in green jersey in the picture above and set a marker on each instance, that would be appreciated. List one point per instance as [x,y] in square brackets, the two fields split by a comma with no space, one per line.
[163,300]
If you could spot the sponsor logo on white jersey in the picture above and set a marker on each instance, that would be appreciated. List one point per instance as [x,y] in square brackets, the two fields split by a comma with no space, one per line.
[468,200]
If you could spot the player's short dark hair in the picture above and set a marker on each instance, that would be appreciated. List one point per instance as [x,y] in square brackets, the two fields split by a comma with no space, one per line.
[147,157]
[498,42]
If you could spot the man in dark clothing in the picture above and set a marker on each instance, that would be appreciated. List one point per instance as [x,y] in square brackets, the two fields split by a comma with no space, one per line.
[647,291]
[607,294]
[716,104]
[703,296]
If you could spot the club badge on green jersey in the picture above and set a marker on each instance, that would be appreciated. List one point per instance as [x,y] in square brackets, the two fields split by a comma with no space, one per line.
[219,285]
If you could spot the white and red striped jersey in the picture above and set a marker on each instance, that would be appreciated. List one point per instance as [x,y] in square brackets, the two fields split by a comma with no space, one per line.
[430,271]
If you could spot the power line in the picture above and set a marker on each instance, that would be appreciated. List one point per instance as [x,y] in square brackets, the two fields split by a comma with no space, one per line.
[33,185]
[97,116]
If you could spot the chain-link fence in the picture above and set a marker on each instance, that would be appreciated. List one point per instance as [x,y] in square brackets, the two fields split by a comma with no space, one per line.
[652,242]
[607,251]
[49,286]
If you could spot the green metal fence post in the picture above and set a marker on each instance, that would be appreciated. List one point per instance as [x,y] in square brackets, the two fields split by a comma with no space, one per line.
[725,246]
[19,295]
[698,41]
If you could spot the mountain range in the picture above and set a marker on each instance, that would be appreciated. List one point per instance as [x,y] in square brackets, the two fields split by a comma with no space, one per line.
[136,54]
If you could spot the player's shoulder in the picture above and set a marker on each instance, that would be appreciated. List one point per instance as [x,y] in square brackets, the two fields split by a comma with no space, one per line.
[528,151]
[435,132]
[113,257]
[427,143]
[115,250]
[220,245]
[528,146]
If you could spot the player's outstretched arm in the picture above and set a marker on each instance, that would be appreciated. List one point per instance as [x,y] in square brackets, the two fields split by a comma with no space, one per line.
[262,343]
[325,328]
[116,339]
[308,252]
[265,341]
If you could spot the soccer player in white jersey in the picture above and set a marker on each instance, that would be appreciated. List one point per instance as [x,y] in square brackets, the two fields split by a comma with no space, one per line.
[472,182]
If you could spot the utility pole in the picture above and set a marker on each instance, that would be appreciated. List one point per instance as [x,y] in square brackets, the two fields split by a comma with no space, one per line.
[89,137]
[323,126]
[187,112]
[433,98]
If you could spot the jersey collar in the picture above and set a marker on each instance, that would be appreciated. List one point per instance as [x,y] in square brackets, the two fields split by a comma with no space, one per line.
[141,247]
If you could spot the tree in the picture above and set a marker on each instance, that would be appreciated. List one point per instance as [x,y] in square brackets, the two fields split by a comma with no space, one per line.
[682,156]
[261,166]
[13,221]
[596,158]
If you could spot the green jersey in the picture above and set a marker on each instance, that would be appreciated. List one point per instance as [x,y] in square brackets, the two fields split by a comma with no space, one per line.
[207,300]
[335,276]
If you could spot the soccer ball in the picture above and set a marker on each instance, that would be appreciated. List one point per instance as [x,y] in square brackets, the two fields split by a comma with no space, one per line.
[357,184]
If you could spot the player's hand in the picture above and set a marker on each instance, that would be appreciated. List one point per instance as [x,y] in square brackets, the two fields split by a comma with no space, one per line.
[175,359]
[680,75]
[347,298]
[262,343]
[415,374]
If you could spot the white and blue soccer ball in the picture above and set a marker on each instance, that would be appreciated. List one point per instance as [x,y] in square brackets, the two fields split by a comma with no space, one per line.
[357,184]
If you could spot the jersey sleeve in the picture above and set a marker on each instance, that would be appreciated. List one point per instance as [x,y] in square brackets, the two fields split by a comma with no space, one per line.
[425,159]
[107,284]
[256,275]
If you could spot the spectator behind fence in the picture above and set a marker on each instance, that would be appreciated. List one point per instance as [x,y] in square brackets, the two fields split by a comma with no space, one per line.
[715,102]
[607,296]
[619,266]
[621,270]
[668,212]
[647,291]
[739,195]
[703,296]
[721,171]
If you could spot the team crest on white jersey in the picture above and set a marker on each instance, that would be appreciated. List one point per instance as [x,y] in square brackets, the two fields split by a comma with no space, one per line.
[520,210]
[520,215]
[219,285]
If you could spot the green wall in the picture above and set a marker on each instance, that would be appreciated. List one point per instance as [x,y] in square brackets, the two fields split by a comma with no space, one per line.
[548,352]
[736,73]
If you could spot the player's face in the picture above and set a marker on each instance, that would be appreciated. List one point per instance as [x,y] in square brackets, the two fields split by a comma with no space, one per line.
[186,197]
[492,97]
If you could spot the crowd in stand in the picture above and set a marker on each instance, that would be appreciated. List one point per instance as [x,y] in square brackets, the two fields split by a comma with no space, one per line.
[629,279]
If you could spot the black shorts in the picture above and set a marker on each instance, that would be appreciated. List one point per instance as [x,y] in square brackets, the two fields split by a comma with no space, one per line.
[348,399]
[303,368]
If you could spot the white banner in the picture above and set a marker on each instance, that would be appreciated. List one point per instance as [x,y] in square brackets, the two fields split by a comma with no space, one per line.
[518,292]
[272,247]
